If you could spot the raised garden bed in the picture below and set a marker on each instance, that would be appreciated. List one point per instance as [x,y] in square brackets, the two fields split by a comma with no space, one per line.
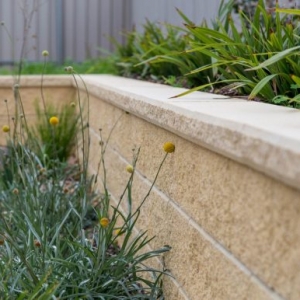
[227,201]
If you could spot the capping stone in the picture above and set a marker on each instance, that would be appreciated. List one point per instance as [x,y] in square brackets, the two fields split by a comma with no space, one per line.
[263,136]
[35,81]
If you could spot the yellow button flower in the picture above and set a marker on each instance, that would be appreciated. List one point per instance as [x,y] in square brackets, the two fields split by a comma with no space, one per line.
[118,232]
[53,121]
[45,53]
[169,147]
[5,128]
[69,69]
[129,169]
[104,222]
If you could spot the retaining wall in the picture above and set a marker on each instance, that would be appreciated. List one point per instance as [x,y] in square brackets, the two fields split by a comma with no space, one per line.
[227,201]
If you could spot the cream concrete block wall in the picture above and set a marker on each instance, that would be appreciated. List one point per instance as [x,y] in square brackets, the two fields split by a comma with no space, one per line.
[227,201]
[234,231]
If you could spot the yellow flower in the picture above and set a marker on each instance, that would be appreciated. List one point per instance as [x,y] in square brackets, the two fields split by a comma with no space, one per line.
[53,121]
[104,222]
[118,232]
[129,169]
[69,69]
[169,147]
[5,128]
[45,53]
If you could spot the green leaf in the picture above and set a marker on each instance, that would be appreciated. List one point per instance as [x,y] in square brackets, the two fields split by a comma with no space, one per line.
[275,58]
[30,225]
[201,87]
[280,99]
[261,85]
[290,11]
[296,79]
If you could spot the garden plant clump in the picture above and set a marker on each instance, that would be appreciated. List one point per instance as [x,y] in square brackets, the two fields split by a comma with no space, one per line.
[260,60]
[253,55]
[59,238]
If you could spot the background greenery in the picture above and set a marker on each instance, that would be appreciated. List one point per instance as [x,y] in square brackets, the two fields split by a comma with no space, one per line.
[250,50]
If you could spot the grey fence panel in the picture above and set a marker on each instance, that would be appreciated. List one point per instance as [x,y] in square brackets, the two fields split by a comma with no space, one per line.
[105,24]
[68,29]
[165,11]
[80,30]
[30,20]
[28,29]
[88,25]
[117,18]
[7,45]
[6,49]
[76,29]
[93,38]
[196,10]
[43,31]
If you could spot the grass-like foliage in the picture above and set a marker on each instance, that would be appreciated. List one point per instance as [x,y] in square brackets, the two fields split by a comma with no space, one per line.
[59,239]
[133,59]
[55,142]
[257,58]
[102,65]
[253,54]
[50,248]
[259,61]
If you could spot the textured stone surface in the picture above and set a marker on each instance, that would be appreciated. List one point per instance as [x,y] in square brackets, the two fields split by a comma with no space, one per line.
[253,216]
[173,290]
[198,266]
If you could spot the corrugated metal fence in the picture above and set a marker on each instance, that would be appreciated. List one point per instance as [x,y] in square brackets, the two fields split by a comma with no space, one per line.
[68,29]
[76,29]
